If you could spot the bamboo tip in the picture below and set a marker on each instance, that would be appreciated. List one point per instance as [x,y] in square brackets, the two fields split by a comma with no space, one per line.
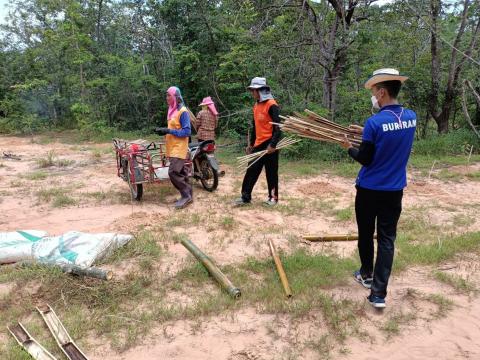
[236,293]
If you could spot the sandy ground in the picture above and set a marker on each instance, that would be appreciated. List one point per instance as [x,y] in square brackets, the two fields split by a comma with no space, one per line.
[248,334]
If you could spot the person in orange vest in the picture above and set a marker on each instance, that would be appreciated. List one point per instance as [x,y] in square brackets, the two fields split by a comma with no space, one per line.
[177,135]
[264,136]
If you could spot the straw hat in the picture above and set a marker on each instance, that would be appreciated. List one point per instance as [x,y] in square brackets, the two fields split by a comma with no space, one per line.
[382,75]
[258,83]
[206,101]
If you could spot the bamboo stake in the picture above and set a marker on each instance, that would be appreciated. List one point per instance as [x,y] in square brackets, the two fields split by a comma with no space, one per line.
[325,238]
[212,269]
[281,272]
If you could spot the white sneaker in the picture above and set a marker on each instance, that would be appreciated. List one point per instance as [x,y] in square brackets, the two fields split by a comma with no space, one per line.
[270,202]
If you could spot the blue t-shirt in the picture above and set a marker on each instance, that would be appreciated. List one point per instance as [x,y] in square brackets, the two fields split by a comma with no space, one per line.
[392,131]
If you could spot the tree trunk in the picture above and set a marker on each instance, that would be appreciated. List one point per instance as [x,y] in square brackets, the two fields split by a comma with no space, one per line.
[435,62]
[476,120]
[99,19]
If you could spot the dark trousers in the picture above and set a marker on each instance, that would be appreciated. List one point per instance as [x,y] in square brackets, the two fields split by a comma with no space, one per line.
[384,207]
[178,173]
[270,162]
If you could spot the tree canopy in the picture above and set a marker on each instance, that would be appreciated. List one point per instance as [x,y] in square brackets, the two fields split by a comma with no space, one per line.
[94,64]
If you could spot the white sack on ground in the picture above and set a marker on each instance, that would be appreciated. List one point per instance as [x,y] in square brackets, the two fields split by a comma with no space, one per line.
[73,247]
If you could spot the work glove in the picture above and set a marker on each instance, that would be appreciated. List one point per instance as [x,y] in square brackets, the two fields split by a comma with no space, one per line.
[162,131]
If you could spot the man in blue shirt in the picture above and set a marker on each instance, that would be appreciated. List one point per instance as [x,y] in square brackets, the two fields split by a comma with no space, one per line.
[384,152]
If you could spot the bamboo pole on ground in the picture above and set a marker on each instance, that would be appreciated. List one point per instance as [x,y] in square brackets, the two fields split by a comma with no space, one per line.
[212,269]
[281,272]
[325,238]
[92,272]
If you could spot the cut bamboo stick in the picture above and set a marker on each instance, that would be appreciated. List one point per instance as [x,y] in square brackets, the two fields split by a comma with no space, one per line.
[325,238]
[29,344]
[316,127]
[225,283]
[246,161]
[92,272]
[58,331]
[281,272]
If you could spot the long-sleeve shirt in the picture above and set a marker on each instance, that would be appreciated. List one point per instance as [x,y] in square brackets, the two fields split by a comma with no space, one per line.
[186,129]
[206,125]
[274,113]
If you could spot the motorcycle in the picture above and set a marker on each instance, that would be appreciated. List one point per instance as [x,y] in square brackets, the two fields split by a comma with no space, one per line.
[205,165]
[142,163]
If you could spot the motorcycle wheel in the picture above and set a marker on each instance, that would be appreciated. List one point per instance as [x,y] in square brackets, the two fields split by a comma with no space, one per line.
[209,176]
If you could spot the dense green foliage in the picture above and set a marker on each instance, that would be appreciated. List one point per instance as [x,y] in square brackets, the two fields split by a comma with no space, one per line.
[100,64]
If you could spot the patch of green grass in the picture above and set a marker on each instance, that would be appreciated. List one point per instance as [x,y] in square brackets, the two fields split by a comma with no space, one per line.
[347,169]
[300,168]
[473,175]
[448,175]
[51,159]
[345,214]
[144,245]
[63,200]
[228,222]
[326,207]
[96,155]
[175,221]
[463,220]
[16,183]
[48,160]
[395,321]
[417,224]
[36,175]
[444,305]
[457,282]
[412,252]
[110,197]
[425,162]
[47,194]
[289,206]
[64,162]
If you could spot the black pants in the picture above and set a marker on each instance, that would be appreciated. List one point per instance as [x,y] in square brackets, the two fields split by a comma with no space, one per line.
[178,173]
[384,207]
[270,162]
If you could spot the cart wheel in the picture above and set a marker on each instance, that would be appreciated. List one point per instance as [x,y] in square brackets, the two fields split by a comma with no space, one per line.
[135,189]
[209,176]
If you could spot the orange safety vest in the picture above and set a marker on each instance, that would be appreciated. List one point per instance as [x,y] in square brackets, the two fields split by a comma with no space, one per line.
[177,147]
[263,128]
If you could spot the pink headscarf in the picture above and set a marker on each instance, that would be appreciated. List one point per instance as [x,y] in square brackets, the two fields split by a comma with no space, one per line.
[211,105]
[177,100]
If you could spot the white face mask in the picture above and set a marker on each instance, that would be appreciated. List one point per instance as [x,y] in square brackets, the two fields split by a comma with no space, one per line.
[375,103]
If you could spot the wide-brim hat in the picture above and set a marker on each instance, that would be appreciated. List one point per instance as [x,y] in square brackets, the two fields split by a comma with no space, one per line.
[382,75]
[206,101]
[258,83]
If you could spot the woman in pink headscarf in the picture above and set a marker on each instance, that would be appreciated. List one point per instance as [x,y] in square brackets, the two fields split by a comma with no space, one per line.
[207,120]
[176,136]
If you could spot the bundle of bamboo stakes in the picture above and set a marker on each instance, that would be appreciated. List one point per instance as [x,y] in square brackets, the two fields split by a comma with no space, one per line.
[244,162]
[316,127]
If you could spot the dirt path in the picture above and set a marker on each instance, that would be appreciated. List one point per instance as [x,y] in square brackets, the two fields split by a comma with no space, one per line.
[86,195]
